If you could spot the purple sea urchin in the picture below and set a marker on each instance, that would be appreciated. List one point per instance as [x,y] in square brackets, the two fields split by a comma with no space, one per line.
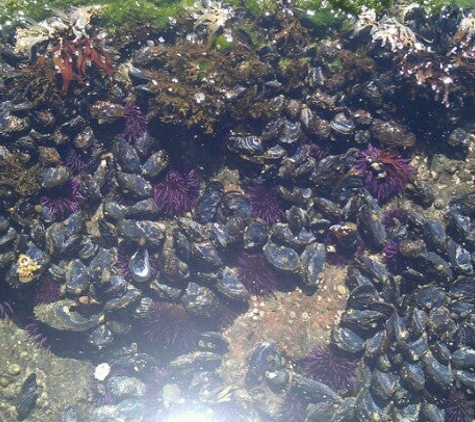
[177,193]
[60,203]
[330,366]
[395,260]
[265,203]
[170,327]
[458,408]
[74,161]
[385,172]
[37,335]
[256,274]
[6,311]
[293,408]
[135,123]
[48,291]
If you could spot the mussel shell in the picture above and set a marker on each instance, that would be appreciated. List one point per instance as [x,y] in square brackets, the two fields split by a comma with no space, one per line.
[367,408]
[208,202]
[126,156]
[432,413]
[313,261]
[347,340]
[256,234]
[100,336]
[467,378]
[391,134]
[200,301]
[229,285]
[139,265]
[55,176]
[376,345]
[436,371]
[412,375]
[130,296]
[61,316]
[342,125]
[384,384]
[151,233]
[464,358]
[263,357]
[78,277]
[282,257]
[213,342]
[134,185]
[371,225]
[101,266]
[196,361]
[155,164]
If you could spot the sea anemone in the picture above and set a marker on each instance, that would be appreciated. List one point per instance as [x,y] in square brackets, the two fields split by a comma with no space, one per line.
[169,327]
[265,203]
[330,366]
[135,123]
[177,193]
[256,274]
[458,408]
[61,202]
[385,172]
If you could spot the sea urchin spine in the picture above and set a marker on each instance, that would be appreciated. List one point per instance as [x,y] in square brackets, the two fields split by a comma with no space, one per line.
[330,366]
[256,274]
[177,193]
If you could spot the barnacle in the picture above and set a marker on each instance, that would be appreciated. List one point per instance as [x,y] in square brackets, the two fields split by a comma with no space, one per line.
[465,29]
[388,30]
[211,14]
[27,268]
[35,33]
[62,25]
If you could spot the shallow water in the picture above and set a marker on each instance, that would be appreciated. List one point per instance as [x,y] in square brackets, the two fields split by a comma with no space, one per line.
[234,218]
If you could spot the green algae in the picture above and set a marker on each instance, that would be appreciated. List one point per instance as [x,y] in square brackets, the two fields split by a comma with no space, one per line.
[157,12]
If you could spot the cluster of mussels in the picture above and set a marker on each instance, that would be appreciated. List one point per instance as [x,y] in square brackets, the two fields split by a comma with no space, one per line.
[115,227]
[415,331]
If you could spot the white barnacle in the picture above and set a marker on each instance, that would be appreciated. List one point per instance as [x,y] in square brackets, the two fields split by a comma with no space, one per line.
[199,97]
[388,30]
[63,24]
[466,28]
[211,14]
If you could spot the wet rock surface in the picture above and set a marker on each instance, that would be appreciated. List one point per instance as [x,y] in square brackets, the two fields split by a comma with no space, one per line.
[53,390]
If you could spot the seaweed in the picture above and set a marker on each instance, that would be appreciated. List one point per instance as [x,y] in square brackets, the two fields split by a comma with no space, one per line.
[15,176]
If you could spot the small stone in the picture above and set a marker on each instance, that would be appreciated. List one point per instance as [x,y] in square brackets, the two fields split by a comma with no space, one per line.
[14,369]
[342,290]
[4,381]
[101,372]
